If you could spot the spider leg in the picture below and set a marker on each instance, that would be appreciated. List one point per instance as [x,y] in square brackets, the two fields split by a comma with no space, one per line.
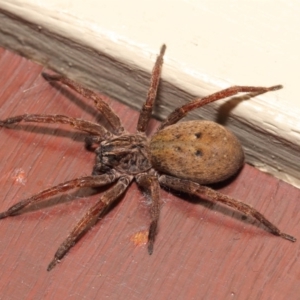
[182,111]
[146,111]
[92,139]
[102,106]
[88,181]
[79,124]
[151,185]
[90,218]
[194,188]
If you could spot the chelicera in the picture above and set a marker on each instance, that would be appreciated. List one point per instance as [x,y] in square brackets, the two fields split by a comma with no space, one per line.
[182,156]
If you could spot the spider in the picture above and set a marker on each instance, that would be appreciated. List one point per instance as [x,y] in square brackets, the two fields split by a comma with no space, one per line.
[183,156]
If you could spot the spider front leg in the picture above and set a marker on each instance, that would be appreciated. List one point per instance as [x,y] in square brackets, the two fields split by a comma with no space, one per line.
[79,124]
[194,188]
[103,107]
[182,111]
[151,185]
[87,181]
[90,218]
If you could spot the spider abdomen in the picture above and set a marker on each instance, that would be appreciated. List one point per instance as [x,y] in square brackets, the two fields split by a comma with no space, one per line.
[201,151]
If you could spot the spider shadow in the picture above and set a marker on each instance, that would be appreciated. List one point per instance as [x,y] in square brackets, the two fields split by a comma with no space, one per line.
[225,109]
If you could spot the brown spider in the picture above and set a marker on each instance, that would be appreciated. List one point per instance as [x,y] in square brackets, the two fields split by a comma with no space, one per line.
[193,154]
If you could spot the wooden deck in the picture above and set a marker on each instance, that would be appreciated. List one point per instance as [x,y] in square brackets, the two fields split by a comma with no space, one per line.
[202,251]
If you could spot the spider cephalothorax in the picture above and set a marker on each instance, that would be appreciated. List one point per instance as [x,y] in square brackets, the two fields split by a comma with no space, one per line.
[128,154]
[190,153]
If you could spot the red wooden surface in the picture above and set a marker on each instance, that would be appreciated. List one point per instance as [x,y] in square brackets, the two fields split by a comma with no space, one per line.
[203,251]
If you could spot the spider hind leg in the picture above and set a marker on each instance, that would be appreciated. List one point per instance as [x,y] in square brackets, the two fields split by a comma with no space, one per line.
[194,188]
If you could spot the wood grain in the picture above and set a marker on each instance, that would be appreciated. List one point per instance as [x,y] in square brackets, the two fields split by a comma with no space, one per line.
[203,251]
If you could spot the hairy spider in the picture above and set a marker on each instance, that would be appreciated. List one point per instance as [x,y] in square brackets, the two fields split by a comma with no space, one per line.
[193,154]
